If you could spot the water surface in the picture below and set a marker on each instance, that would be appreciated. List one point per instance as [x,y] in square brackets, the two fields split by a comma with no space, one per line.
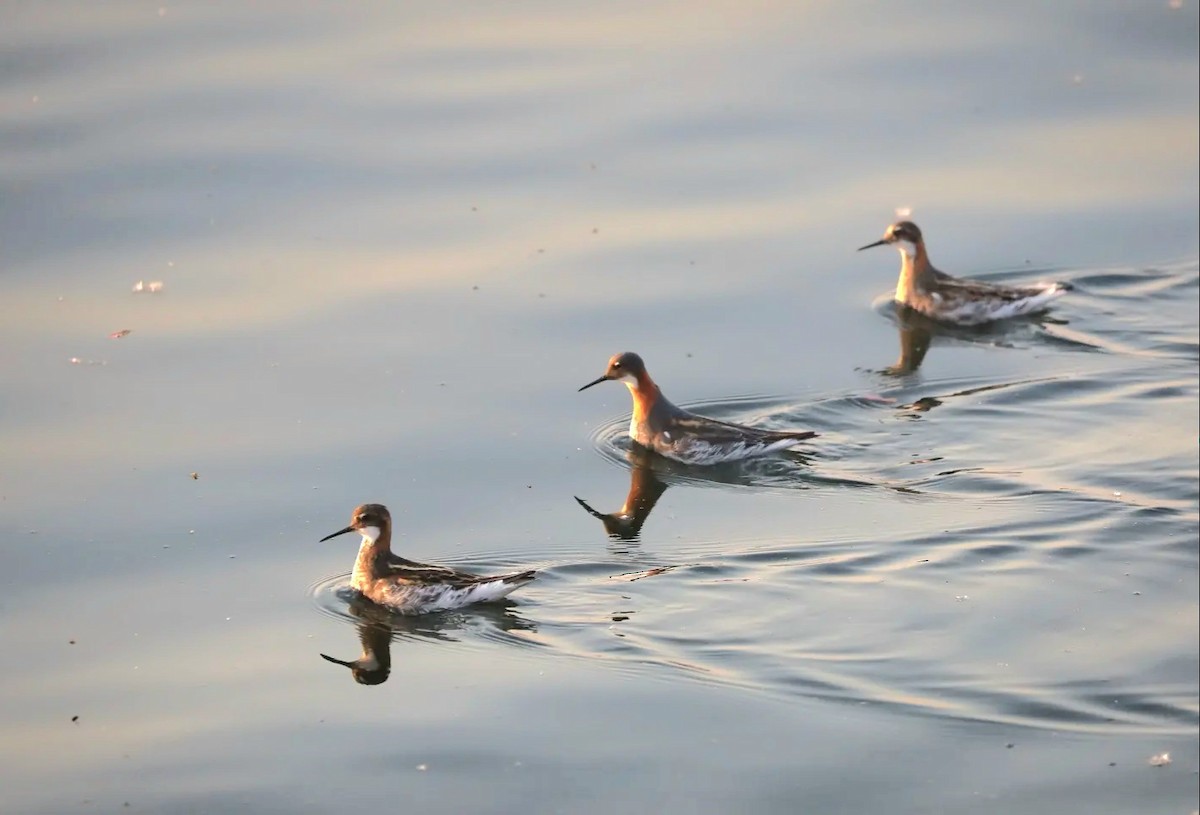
[392,245]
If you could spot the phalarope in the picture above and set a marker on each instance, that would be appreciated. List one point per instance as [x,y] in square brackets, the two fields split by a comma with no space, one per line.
[408,587]
[951,299]
[675,433]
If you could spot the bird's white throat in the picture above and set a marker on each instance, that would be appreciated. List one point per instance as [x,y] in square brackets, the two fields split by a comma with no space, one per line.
[908,249]
[370,534]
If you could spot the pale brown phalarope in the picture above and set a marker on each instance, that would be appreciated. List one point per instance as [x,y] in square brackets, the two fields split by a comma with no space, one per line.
[953,300]
[408,587]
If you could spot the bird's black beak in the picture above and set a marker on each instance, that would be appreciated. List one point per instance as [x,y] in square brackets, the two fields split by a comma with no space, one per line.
[335,534]
[590,511]
[873,245]
[335,661]
[594,382]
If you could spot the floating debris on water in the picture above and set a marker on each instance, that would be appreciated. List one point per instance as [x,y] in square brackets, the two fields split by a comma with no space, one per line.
[195,476]
[79,361]
[1160,760]
[124,332]
[142,287]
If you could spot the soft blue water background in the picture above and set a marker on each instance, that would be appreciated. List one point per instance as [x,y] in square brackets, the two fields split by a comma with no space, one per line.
[395,239]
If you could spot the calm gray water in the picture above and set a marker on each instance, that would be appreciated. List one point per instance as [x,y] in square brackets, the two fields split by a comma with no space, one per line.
[393,241]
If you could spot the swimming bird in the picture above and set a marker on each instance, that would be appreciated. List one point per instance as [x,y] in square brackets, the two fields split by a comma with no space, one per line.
[408,587]
[951,299]
[676,433]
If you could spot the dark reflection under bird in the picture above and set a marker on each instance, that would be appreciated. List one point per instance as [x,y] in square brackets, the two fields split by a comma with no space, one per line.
[378,628]
[645,488]
[916,334]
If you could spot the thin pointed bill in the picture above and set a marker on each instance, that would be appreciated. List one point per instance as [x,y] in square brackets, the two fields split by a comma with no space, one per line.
[336,661]
[588,507]
[873,245]
[594,382]
[335,534]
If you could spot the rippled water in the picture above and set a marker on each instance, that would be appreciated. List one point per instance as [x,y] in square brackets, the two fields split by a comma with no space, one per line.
[393,242]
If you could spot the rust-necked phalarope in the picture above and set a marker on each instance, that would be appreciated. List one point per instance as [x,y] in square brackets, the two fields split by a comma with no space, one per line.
[675,433]
[408,587]
[951,299]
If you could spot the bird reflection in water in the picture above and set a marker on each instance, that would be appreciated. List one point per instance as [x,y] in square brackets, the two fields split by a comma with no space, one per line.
[916,334]
[378,628]
[645,488]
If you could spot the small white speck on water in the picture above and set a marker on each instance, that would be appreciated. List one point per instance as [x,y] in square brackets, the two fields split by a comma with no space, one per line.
[1160,760]
[227,619]
[1117,494]
[233,557]
[422,767]
[191,531]
[961,597]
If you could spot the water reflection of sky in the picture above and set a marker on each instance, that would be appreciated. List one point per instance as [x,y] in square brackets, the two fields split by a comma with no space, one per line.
[394,242]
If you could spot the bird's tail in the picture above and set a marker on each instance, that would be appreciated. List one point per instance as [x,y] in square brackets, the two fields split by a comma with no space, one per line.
[794,435]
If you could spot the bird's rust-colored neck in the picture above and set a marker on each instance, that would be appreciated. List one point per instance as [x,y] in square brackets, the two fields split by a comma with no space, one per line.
[916,273]
[645,396]
[371,555]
